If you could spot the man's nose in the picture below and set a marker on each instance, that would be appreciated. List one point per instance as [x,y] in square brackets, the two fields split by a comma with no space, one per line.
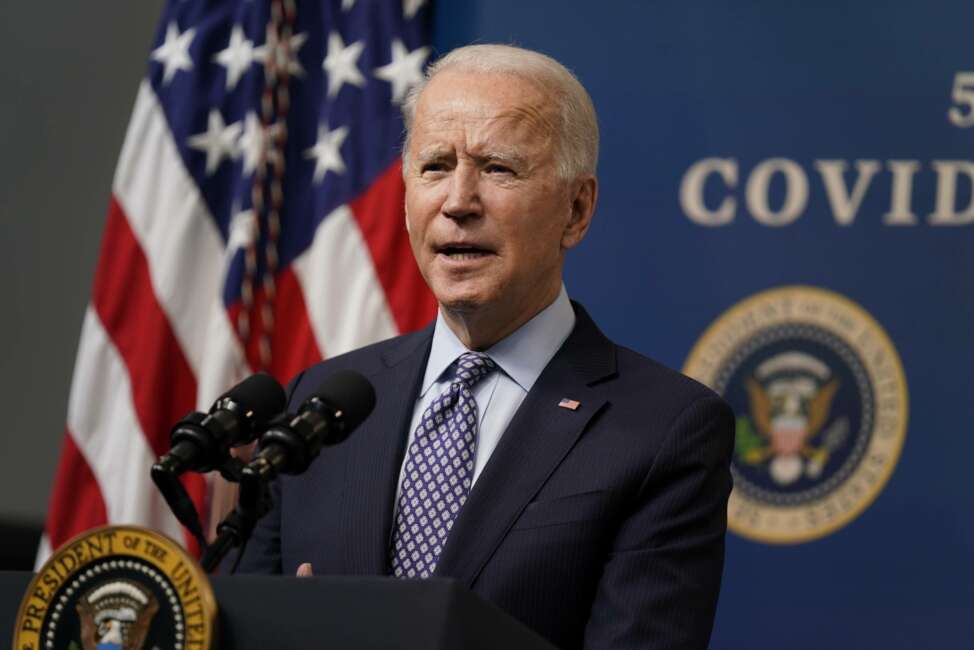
[463,199]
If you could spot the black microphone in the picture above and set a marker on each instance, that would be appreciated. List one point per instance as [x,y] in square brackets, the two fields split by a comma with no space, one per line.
[326,417]
[201,442]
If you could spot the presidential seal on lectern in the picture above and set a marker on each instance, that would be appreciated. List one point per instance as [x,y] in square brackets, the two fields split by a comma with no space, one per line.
[117,588]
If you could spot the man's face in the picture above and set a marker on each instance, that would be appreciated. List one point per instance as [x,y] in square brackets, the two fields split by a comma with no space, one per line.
[489,217]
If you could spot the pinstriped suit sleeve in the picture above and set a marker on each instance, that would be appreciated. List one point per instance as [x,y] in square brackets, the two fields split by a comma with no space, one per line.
[660,582]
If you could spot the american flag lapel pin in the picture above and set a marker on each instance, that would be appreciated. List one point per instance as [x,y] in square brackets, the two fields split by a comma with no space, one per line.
[570,404]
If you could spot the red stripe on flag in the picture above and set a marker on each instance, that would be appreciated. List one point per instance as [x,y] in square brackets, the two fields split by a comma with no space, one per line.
[163,385]
[292,339]
[76,502]
[293,345]
[380,217]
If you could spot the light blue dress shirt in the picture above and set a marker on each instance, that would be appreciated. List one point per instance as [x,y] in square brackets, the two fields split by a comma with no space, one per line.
[520,358]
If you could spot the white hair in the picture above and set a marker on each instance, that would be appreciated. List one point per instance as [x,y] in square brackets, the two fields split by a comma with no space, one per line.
[578,133]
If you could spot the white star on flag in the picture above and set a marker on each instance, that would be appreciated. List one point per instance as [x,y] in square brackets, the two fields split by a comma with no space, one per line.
[173,54]
[283,56]
[347,4]
[341,64]
[405,70]
[410,7]
[243,231]
[218,141]
[254,141]
[237,56]
[327,151]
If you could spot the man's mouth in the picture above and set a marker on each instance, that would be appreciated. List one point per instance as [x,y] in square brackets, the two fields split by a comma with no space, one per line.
[463,252]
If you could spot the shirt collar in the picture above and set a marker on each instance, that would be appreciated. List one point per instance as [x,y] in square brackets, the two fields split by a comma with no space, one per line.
[522,355]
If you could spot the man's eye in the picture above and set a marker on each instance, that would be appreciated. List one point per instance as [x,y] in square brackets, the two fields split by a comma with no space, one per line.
[499,169]
[432,167]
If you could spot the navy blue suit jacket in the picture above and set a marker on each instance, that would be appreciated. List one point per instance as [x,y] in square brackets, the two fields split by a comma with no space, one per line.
[601,527]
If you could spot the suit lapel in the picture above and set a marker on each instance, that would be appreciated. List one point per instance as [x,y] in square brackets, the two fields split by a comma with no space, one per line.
[372,471]
[537,439]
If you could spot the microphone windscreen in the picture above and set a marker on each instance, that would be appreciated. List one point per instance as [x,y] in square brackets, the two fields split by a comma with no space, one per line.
[349,392]
[261,394]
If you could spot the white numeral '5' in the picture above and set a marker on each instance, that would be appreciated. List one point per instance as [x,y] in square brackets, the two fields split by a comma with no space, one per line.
[963,95]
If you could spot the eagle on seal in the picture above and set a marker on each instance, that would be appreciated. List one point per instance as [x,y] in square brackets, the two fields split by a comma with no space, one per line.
[790,406]
[116,616]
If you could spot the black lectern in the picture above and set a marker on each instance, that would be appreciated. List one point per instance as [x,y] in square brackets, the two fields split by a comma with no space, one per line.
[340,612]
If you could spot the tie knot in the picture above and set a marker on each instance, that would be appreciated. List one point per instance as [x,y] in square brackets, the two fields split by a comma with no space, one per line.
[473,366]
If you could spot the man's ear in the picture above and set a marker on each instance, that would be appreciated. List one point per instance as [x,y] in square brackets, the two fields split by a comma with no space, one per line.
[584,193]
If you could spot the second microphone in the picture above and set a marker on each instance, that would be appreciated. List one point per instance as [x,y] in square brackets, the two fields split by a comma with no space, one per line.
[325,418]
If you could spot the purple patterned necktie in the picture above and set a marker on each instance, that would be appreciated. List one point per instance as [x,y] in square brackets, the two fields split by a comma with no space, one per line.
[438,471]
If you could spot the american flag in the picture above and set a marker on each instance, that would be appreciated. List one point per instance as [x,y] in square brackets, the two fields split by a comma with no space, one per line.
[255,222]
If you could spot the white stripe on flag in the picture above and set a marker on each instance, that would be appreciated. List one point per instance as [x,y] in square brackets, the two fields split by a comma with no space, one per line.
[105,429]
[345,301]
[223,363]
[182,245]
[43,552]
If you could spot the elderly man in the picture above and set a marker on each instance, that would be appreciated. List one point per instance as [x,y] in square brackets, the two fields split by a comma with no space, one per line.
[576,484]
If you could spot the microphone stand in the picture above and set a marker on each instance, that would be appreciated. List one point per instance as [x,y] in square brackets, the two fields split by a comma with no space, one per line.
[253,502]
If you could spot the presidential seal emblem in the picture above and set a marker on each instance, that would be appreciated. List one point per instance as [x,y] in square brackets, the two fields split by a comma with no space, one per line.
[821,404]
[117,588]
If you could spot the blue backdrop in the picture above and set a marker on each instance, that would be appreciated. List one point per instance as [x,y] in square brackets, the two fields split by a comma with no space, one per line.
[770,116]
